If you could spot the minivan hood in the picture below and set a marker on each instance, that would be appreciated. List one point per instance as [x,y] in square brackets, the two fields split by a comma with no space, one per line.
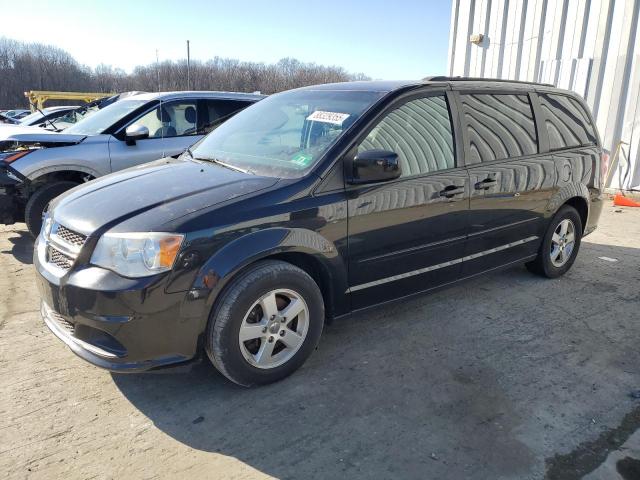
[12,138]
[152,194]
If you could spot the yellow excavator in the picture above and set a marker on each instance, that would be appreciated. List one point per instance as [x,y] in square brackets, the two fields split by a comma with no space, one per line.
[37,98]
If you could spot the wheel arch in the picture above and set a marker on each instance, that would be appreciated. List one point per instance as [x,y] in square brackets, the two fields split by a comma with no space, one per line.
[582,206]
[575,195]
[306,249]
[315,268]
[72,174]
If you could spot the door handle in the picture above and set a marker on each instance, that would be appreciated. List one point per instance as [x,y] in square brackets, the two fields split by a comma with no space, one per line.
[452,190]
[486,184]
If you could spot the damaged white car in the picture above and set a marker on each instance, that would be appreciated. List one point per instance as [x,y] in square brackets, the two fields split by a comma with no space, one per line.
[38,166]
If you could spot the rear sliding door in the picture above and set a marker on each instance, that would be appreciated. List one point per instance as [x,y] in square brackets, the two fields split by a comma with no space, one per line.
[511,180]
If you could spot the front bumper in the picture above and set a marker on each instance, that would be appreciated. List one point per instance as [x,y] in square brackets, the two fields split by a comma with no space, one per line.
[116,323]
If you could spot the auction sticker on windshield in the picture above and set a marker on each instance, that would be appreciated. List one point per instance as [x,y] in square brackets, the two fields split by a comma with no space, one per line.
[328,117]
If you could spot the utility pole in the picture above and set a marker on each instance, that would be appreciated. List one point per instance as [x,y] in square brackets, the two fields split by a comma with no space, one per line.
[188,67]
[158,69]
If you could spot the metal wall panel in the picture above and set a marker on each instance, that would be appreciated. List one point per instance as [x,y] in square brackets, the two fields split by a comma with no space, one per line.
[589,46]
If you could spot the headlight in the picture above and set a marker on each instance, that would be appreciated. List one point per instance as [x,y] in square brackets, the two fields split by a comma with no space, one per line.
[137,254]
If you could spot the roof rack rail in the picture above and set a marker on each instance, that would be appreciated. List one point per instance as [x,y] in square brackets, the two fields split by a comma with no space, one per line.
[444,78]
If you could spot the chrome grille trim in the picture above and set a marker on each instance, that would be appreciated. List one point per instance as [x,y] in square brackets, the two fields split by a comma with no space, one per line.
[66,240]
[69,236]
[62,247]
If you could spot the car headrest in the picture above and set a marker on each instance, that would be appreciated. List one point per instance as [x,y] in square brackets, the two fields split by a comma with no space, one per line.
[164,116]
[190,114]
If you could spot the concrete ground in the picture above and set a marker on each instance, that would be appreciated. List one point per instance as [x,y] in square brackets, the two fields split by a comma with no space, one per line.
[506,376]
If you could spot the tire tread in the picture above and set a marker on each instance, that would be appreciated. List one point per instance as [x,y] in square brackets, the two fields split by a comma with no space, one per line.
[37,201]
[222,313]
[542,265]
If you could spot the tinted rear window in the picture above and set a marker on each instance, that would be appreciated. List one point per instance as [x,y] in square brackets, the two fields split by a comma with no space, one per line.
[566,121]
[499,126]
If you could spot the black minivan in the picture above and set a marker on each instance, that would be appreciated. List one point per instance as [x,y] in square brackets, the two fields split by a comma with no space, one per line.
[310,205]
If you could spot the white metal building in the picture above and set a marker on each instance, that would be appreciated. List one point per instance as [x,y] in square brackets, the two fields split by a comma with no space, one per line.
[589,46]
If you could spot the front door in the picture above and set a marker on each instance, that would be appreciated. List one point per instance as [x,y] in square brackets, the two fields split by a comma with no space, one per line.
[408,235]
[173,127]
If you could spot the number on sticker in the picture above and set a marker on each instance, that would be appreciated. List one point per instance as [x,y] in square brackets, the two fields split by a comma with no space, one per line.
[328,117]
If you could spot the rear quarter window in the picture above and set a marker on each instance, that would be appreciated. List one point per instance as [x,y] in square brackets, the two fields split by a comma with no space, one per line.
[499,126]
[219,111]
[566,121]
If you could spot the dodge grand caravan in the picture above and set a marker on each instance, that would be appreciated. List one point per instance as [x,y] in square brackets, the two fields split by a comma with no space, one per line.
[310,205]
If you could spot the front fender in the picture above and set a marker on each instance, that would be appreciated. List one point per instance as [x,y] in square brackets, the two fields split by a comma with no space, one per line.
[225,263]
[63,167]
[91,158]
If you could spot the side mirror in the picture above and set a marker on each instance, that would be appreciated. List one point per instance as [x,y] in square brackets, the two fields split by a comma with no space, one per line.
[374,166]
[135,132]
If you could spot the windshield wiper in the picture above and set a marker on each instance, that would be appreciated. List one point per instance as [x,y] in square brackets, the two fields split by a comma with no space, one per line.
[188,150]
[44,117]
[219,162]
[231,167]
[52,122]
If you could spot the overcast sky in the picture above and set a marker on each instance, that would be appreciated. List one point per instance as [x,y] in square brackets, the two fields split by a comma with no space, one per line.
[402,39]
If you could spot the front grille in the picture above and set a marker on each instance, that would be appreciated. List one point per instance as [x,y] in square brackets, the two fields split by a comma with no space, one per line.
[73,238]
[64,246]
[59,259]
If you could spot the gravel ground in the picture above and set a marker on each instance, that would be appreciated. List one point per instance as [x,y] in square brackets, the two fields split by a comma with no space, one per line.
[506,376]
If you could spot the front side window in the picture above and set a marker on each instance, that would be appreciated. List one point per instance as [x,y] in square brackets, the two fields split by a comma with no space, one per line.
[499,126]
[567,122]
[171,119]
[419,132]
[285,134]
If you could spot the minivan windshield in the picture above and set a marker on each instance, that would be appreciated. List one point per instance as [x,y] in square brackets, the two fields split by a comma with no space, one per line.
[285,134]
[98,122]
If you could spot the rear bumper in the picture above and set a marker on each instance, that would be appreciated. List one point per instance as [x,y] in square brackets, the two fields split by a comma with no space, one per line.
[116,323]
[595,210]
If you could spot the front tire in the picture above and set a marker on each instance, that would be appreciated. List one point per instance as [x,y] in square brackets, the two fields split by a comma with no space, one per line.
[560,244]
[39,202]
[265,324]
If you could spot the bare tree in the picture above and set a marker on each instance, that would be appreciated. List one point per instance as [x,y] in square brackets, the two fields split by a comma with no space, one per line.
[34,66]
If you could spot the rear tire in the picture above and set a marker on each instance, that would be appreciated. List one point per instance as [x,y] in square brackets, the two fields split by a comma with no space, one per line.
[265,323]
[39,202]
[560,244]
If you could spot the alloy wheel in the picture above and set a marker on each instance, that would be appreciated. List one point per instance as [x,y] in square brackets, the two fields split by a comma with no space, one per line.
[274,328]
[562,242]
